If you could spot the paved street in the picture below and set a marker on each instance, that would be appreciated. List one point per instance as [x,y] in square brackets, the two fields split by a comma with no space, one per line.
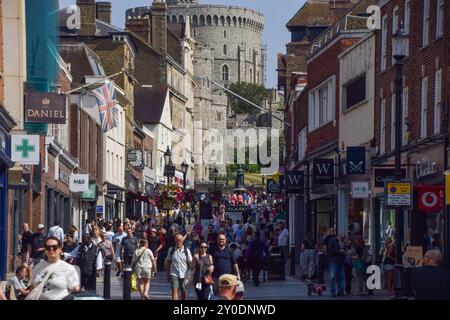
[289,289]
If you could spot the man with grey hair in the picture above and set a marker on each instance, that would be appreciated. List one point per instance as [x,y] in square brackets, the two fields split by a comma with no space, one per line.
[431,282]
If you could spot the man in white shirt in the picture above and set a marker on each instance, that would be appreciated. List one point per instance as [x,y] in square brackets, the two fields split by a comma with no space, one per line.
[90,262]
[20,289]
[178,262]
[117,240]
[56,231]
[283,240]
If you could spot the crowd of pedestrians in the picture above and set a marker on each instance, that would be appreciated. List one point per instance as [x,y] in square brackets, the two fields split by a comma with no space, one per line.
[215,261]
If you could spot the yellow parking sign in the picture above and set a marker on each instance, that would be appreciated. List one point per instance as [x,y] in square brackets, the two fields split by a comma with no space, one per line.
[398,194]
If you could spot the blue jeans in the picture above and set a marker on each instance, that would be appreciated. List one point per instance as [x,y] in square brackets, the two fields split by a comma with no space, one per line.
[337,270]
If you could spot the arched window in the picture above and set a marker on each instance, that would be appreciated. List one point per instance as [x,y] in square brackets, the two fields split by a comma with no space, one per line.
[194,21]
[181,19]
[225,73]
[225,34]
[225,51]
[235,21]
[202,20]
[229,21]
[216,20]
[250,73]
[208,20]
[222,21]
[174,19]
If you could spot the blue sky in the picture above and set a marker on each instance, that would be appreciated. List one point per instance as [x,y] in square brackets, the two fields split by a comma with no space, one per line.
[277,13]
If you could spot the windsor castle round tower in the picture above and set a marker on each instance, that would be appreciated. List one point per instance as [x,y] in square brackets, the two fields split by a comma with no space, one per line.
[229,49]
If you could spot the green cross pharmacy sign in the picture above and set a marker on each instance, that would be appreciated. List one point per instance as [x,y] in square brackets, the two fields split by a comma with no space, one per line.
[25,149]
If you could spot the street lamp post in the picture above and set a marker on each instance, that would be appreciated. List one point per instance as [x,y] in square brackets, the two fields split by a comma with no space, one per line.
[168,162]
[215,175]
[184,168]
[399,47]
[263,178]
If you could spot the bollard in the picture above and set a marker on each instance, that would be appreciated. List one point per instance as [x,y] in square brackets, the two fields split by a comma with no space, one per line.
[107,281]
[127,283]
[292,271]
[320,267]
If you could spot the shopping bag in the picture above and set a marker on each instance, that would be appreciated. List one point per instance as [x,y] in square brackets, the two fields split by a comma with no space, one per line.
[133,282]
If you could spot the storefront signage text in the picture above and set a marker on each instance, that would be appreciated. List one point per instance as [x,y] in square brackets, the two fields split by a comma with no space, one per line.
[64,177]
[79,183]
[425,167]
[360,189]
[383,175]
[323,171]
[398,194]
[45,108]
[294,181]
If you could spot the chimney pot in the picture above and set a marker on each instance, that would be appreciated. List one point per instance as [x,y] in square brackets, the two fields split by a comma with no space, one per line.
[104,11]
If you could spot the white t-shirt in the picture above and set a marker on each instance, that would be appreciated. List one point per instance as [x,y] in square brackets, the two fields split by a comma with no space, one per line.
[64,278]
[283,238]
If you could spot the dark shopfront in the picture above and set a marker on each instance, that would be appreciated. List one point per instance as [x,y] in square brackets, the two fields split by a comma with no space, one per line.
[428,214]
[6,124]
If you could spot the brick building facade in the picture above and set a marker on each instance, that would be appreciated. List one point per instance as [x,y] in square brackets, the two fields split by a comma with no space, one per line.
[426,88]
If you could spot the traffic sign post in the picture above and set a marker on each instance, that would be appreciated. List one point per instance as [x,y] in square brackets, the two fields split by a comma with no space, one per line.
[398,194]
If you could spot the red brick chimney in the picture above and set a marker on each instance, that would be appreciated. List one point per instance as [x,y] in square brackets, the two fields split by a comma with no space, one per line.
[140,26]
[87,17]
[159,26]
[104,11]
[340,7]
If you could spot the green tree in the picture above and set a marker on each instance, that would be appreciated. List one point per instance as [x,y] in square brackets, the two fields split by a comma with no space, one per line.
[250,91]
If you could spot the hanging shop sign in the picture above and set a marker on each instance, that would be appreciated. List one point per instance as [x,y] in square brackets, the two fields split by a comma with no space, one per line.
[273,186]
[399,194]
[169,171]
[135,158]
[91,194]
[356,160]
[360,189]
[25,149]
[294,181]
[64,177]
[425,167]
[79,183]
[430,198]
[323,171]
[383,175]
[42,107]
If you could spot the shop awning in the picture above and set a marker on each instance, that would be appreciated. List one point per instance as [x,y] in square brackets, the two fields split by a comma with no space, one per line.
[141,197]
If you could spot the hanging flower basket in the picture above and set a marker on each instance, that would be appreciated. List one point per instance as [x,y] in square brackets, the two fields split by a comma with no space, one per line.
[166,196]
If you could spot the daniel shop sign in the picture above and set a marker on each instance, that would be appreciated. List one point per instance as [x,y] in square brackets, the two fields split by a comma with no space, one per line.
[79,183]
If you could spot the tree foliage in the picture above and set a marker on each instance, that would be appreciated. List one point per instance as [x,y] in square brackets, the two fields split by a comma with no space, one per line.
[250,91]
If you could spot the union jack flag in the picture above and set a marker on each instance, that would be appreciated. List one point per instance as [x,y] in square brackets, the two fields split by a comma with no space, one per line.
[107,106]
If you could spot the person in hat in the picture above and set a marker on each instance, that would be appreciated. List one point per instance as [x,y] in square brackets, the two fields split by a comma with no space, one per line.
[227,287]
[37,246]
[240,290]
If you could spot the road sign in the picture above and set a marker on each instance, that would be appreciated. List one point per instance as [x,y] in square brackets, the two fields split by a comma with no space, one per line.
[398,194]
[25,149]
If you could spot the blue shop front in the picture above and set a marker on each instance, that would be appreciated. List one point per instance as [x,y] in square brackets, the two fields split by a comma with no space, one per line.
[6,124]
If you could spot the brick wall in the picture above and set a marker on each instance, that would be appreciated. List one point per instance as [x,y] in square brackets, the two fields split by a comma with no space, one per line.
[421,62]
[324,65]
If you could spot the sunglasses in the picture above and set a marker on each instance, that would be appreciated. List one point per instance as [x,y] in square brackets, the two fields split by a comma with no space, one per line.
[203,247]
[53,247]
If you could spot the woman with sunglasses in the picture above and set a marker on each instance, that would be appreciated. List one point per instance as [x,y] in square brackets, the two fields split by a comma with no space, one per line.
[204,267]
[63,278]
